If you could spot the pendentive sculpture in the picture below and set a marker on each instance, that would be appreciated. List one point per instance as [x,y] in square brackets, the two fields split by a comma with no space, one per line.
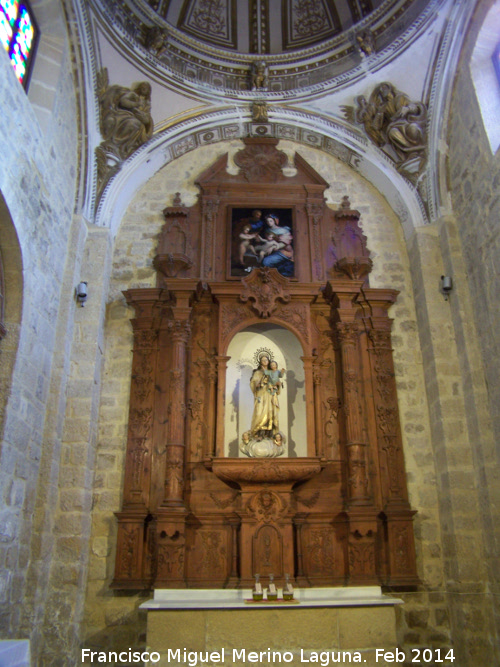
[395,124]
[125,123]
[264,438]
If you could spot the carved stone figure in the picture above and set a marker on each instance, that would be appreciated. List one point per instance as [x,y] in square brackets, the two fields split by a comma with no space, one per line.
[394,123]
[366,42]
[125,124]
[259,76]
[259,112]
[156,40]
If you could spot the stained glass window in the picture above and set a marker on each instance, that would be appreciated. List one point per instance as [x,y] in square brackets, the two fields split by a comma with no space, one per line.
[18,35]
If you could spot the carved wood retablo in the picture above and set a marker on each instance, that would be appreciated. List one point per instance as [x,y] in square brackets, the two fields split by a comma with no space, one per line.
[193,515]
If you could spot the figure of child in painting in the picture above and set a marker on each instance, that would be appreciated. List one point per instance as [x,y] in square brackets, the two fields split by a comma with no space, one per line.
[246,237]
[268,245]
[274,376]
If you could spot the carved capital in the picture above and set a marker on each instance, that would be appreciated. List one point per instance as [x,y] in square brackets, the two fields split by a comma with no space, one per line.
[380,339]
[347,332]
[145,339]
[180,330]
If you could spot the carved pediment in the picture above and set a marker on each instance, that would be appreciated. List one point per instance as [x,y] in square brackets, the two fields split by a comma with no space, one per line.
[264,288]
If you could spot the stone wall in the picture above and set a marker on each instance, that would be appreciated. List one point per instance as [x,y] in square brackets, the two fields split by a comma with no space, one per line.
[113,620]
[38,173]
[474,180]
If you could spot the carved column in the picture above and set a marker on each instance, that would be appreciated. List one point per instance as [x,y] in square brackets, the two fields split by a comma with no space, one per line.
[174,478]
[318,410]
[131,567]
[212,389]
[361,510]
[221,401]
[299,520]
[234,521]
[398,514]
[171,514]
[210,208]
[358,481]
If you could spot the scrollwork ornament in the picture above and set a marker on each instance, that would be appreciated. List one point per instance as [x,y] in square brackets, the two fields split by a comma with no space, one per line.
[137,458]
[231,317]
[362,555]
[321,550]
[261,162]
[140,421]
[176,381]
[401,550]
[387,418]
[263,288]
[128,549]
[214,553]
[174,479]
[392,449]
[294,314]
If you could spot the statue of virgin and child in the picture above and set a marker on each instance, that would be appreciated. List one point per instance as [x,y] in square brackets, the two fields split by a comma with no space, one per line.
[264,439]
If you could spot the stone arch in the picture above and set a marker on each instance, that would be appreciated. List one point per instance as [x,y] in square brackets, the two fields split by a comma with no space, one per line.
[12,294]
[287,124]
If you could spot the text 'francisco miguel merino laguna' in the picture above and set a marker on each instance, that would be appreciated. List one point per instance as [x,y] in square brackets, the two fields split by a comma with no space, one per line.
[324,658]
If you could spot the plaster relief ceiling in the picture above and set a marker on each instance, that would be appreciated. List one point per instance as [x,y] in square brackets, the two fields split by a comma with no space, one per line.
[263,26]
[214,44]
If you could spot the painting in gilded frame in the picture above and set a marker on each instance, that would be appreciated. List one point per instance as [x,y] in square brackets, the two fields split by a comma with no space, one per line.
[261,237]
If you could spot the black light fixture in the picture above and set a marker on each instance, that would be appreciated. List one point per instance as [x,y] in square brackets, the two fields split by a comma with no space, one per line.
[446,286]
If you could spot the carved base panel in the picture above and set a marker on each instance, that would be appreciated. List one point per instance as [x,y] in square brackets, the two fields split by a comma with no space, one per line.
[400,546]
[324,550]
[170,551]
[364,557]
[131,565]
[209,554]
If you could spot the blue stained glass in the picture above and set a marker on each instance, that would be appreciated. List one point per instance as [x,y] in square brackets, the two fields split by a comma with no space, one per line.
[17,34]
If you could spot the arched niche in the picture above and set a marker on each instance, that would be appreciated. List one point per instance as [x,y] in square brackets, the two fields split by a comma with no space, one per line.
[239,401]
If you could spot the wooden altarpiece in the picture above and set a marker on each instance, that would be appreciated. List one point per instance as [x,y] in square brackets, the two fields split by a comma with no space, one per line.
[191,515]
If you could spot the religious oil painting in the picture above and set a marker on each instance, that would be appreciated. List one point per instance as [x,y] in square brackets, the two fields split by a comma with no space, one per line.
[261,237]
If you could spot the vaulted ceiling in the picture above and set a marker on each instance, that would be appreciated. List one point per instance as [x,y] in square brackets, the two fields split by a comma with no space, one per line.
[302,43]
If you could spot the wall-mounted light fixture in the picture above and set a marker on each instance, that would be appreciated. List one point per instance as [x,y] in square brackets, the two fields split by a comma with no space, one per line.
[81,293]
[446,286]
